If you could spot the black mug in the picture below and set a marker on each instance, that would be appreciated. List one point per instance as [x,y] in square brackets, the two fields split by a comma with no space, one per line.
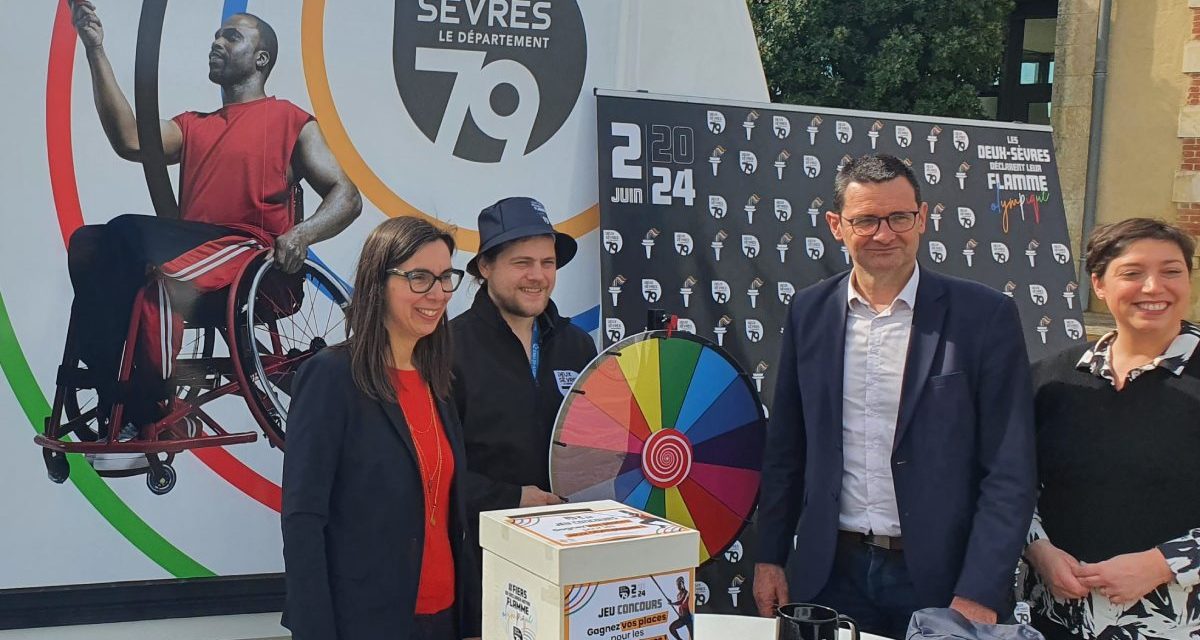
[800,621]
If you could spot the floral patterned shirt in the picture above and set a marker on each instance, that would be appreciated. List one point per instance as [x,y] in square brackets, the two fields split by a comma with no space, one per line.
[1098,359]
[1170,612]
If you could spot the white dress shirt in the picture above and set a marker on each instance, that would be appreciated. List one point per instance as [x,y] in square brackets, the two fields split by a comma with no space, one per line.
[876,350]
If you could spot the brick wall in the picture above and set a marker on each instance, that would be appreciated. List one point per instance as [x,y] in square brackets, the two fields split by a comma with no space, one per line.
[1187,179]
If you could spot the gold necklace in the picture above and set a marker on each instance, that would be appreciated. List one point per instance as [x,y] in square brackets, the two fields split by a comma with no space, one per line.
[433,484]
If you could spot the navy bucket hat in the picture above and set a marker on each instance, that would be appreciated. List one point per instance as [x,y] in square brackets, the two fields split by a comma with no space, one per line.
[516,218]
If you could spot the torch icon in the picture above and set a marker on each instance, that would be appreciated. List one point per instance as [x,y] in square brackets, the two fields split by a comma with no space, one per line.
[969,252]
[781,162]
[718,243]
[784,241]
[936,216]
[748,125]
[1009,288]
[686,290]
[615,288]
[1031,251]
[1069,294]
[962,175]
[813,127]
[735,587]
[721,328]
[753,292]
[873,134]
[648,241]
[760,372]
[1043,328]
[715,158]
[751,207]
[814,210]
[933,138]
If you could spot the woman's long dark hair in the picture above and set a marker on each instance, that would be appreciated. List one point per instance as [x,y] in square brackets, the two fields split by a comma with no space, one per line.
[388,245]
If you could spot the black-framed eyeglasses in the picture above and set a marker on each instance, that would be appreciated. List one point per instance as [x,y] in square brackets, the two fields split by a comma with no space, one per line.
[898,222]
[421,280]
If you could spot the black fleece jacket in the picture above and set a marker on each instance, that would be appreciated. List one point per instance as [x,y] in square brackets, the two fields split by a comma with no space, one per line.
[507,416]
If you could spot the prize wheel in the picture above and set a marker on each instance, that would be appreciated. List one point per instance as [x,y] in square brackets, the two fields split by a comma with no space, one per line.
[665,423]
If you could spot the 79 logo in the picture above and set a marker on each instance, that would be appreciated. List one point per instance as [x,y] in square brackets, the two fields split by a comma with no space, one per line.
[489,81]
[668,145]
[475,81]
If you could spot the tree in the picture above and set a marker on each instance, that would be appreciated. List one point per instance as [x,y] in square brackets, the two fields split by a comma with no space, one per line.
[927,57]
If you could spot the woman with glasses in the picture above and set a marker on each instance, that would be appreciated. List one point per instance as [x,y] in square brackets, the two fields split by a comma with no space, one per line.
[373,515]
[1115,543]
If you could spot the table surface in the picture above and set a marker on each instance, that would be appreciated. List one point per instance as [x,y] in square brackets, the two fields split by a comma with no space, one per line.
[710,626]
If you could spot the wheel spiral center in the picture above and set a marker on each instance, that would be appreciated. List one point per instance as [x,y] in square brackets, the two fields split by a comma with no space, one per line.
[667,458]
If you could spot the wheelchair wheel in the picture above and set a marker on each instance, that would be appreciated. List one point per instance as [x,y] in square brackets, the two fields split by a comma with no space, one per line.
[160,479]
[277,321]
[79,404]
[79,414]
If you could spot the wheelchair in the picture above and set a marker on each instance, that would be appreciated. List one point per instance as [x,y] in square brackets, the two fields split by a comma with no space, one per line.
[247,340]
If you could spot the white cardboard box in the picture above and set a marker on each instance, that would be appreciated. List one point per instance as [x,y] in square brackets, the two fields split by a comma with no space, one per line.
[589,571]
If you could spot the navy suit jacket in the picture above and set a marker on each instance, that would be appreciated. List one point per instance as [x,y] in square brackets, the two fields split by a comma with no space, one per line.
[353,511]
[963,456]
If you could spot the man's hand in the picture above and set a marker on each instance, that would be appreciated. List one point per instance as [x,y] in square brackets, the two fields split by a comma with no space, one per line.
[532,496]
[770,588]
[1125,579]
[290,250]
[91,33]
[973,610]
[1057,569]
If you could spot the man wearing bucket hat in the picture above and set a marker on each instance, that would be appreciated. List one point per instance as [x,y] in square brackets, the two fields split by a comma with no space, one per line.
[515,357]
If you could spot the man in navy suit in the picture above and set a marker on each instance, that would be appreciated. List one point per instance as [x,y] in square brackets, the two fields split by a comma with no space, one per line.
[899,466]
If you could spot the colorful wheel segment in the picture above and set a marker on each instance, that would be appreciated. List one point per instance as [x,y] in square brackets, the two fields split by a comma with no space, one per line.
[668,424]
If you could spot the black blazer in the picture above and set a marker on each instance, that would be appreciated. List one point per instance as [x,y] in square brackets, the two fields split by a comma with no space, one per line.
[353,511]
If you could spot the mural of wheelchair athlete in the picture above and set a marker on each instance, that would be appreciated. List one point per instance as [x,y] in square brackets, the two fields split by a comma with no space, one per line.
[232,265]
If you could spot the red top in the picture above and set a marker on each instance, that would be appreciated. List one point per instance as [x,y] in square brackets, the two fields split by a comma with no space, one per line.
[233,167]
[436,590]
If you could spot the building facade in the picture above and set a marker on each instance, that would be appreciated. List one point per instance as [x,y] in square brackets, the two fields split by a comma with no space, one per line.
[1150,132]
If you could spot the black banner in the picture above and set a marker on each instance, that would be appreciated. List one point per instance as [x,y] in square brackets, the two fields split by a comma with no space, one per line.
[715,213]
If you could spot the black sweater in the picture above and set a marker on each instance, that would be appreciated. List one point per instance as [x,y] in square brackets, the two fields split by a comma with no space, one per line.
[1120,470]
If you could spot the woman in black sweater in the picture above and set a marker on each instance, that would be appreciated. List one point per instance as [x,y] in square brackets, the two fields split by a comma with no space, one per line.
[1115,542]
